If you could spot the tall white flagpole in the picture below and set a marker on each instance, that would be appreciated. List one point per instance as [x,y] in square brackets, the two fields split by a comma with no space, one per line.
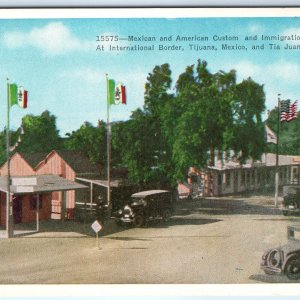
[108,150]
[9,205]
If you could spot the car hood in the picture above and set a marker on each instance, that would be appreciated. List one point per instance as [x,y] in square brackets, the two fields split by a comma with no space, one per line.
[290,247]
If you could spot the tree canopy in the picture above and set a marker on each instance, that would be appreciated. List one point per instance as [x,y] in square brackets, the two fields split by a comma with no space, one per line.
[90,140]
[181,124]
[177,128]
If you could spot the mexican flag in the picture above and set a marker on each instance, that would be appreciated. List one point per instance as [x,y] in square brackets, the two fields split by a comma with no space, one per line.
[17,95]
[120,94]
[116,93]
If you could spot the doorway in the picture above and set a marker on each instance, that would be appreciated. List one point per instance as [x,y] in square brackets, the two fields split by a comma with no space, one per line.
[17,209]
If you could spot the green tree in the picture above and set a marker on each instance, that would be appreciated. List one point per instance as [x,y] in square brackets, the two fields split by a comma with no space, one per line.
[90,140]
[203,116]
[208,113]
[148,155]
[247,138]
[289,140]
[40,133]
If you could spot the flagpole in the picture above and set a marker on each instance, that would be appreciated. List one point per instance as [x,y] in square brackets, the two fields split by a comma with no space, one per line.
[277,156]
[9,208]
[108,149]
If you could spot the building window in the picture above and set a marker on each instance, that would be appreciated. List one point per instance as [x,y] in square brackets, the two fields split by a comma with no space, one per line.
[33,202]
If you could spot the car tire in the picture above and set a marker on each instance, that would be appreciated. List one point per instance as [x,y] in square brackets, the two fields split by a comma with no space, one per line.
[292,269]
[139,221]
[166,215]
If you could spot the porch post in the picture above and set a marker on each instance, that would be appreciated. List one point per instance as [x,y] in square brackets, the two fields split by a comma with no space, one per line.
[63,205]
[37,212]
[91,195]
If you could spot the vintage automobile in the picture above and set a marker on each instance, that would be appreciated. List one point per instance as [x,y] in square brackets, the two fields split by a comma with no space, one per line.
[146,206]
[291,199]
[284,259]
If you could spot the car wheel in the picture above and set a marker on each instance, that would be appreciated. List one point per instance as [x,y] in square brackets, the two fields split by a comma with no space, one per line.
[166,215]
[139,221]
[292,269]
[273,259]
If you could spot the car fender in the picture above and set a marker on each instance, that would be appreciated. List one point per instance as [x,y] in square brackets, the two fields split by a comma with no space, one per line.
[288,257]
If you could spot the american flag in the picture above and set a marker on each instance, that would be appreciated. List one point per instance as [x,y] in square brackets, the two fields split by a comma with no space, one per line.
[293,111]
[288,111]
[284,110]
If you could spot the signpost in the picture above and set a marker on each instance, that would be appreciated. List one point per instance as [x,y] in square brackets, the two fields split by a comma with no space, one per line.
[96,226]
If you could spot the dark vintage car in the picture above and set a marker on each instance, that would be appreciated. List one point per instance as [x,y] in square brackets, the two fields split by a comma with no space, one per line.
[291,199]
[146,206]
[284,259]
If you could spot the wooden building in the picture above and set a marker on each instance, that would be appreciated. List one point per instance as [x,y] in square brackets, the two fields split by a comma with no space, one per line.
[69,165]
[230,177]
[31,198]
[65,164]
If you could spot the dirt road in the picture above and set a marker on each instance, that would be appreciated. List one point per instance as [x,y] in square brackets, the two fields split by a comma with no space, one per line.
[208,241]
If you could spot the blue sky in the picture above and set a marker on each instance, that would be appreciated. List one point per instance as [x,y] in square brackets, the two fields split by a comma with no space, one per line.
[57,62]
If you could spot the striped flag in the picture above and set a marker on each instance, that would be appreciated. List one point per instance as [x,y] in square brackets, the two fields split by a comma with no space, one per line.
[288,111]
[293,111]
[284,110]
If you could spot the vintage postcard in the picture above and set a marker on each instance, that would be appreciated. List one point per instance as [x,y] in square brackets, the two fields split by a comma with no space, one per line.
[150,146]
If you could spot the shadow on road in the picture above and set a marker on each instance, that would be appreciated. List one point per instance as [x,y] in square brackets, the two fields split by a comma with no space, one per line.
[225,206]
[65,229]
[126,238]
[177,221]
[277,278]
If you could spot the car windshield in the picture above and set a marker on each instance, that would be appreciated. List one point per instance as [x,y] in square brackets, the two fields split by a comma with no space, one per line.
[135,199]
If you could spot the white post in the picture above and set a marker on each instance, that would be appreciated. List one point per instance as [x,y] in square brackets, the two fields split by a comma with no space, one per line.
[37,212]
[9,199]
[91,196]
[108,149]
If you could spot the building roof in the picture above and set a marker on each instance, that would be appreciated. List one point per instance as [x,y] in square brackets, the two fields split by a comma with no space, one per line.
[77,161]
[38,184]
[104,183]
[148,193]
[33,159]
[267,160]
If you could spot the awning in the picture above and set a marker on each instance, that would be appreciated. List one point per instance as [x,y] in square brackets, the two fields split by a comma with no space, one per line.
[38,184]
[104,183]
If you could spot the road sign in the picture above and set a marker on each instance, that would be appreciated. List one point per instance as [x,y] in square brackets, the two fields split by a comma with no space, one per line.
[96,226]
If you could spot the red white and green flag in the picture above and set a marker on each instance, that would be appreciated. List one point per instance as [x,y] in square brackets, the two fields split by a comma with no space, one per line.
[116,93]
[22,97]
[17,95]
